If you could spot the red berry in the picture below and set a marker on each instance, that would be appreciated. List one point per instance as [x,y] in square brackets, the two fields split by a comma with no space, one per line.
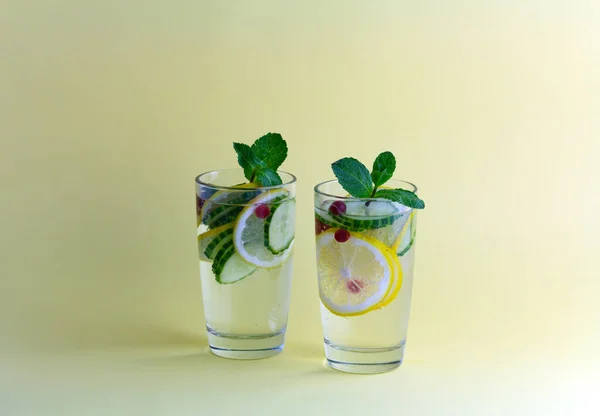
[337,208]
[262,211]
[341,235]
[199,204]
[320,227]
[354,286]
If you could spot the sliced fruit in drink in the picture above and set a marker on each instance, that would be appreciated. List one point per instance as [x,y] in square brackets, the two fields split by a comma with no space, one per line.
[225,237]
[320,227]
[224,214]
[325,218]
[210,241]
[397,278]
[229,267]
[279,226]
[406,239]
[249,234]
[355,276]
[223,206]
[389,235]
[360,215]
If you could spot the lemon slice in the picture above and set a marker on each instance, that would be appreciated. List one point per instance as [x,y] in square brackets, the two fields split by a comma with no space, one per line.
[355,276]
[397,278]
[249,233]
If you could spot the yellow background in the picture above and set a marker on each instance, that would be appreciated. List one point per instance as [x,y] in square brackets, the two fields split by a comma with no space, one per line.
[108,110]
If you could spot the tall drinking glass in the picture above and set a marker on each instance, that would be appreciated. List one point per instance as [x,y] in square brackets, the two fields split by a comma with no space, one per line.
[245,245]
[365,257]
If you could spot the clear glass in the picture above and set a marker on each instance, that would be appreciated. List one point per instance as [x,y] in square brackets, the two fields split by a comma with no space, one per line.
[245,247]
[365,258]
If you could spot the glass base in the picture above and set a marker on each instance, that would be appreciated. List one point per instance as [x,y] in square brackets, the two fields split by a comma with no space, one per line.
[363,360]
[245,347]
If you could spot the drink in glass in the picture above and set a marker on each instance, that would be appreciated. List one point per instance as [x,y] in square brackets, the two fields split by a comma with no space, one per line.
[365,256]
[245,245]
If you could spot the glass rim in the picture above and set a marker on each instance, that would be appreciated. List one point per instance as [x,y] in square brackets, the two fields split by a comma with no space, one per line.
[320,192]
[234,188]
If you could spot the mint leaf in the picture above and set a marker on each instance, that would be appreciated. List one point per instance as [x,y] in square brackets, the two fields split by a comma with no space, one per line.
[271,149]
[406,198]
[267,177]
[247,159]
[383,168]
[353,176]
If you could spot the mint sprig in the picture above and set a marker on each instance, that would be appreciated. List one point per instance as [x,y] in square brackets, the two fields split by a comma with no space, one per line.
[355,178]
[383,168]
[271,149]
[248,160]
[261,160]
[404,197]
[268,177]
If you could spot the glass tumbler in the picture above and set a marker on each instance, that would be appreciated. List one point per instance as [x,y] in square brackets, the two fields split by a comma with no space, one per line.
[365,251]
[245,246]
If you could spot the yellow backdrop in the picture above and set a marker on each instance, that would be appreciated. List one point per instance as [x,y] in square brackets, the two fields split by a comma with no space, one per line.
[109,109]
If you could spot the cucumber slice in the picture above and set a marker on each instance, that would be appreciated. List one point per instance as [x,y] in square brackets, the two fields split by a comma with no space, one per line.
[210,241]
[279,226]
[326,218]
[362,217]
[389,235]
[222,215]
[229,267]
[219,241]
[224,207]
[407,238]
[406,248]
[371,208]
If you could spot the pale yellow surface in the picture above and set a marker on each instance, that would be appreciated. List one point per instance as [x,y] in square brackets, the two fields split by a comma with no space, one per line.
[108,109]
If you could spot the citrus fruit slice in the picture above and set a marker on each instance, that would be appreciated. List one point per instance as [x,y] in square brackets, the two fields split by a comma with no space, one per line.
[210,241]
[397,278]
[355,275]
[249,232]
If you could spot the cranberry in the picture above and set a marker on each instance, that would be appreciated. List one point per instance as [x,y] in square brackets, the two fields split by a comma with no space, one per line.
[341,235]
[354,286]
[262,211]
[199,204]
[337,208]
[320,227]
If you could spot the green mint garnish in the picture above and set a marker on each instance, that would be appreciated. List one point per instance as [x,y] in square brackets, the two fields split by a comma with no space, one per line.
[261,160]
[271,149]
[354,177]
[247,160]
[383,168]
[406,198]
[268,177]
